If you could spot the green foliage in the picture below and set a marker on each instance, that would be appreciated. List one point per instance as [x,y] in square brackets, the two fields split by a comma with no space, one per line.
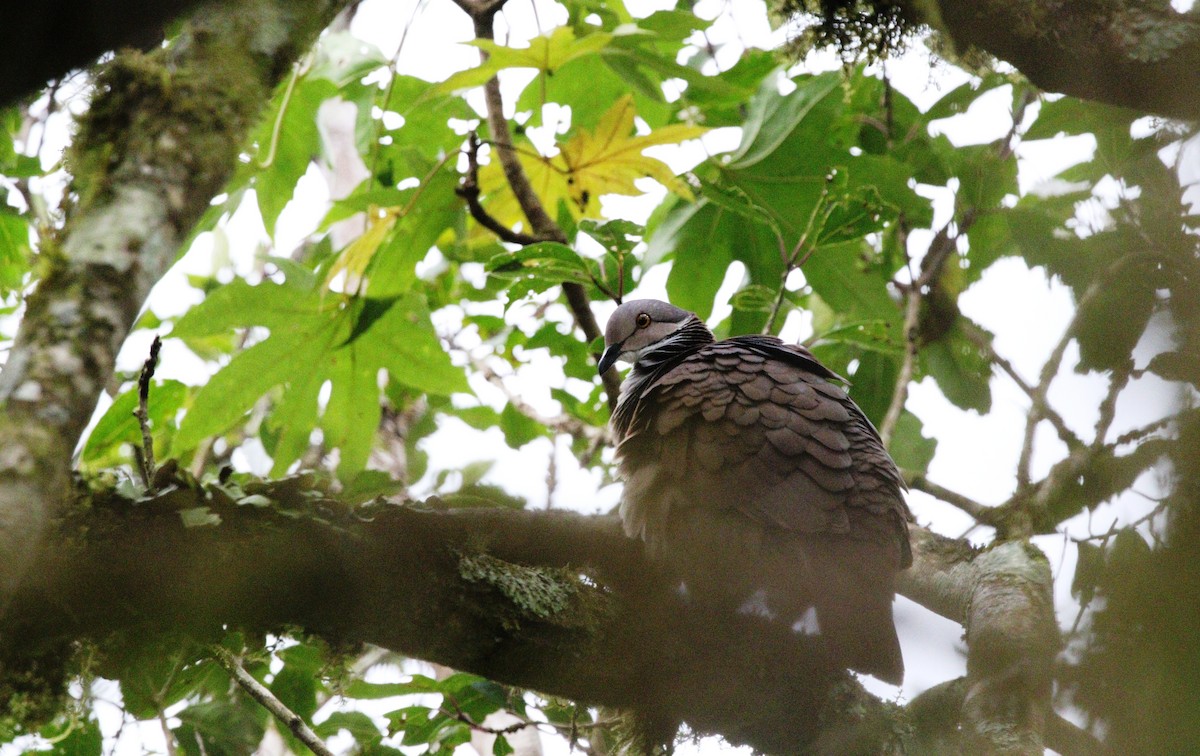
[319,356]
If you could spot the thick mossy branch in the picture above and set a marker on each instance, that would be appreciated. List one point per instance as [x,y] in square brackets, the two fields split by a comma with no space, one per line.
[552,601]
[1003,596]
[1144,56]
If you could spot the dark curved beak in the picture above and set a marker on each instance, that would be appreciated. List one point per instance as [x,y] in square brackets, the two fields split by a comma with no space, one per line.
[608,358]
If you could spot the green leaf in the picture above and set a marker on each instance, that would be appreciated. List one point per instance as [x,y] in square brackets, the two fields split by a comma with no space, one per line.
[220,728]
[14,249]
[352,416]
[958,100]
[82,738]
[910,447]
[985,175]
[873,383]
[546,53]
[754,297]
[238,304]
[518,429]
[404,342]
[1111,320]
[774,117]
[842,276]
[1109,124]
[474,696]
[872,335]
[961,369]
[501,747]
[544,264]
[365,690]
[314,339]
[284,152]
[360,726]
[427,114]
[590,85]
[432,209]
[230,393]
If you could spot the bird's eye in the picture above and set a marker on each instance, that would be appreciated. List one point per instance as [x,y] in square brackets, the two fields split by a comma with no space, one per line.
[643,320]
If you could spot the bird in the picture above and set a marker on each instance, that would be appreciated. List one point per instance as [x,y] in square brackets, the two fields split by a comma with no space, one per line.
[755,479]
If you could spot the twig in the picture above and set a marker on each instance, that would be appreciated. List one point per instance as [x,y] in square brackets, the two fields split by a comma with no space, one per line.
[469,191]
[981,512]
[1136,434]
[145,455]
[793,259]
[944,243]
[976,335]
[1116,528]
[259,692]
[1108,407]
[168,736]
[1049,371]
[912,314]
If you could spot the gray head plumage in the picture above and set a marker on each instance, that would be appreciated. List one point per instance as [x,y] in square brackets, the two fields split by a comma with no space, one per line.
[638,326]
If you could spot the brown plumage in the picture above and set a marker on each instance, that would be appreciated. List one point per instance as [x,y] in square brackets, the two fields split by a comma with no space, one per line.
[753,476]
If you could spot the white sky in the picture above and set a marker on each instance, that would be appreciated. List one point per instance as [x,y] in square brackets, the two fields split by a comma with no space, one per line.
[976,454]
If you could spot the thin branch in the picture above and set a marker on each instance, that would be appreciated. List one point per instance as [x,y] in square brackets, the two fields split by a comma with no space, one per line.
[483,14]
[1038,408]
[793,259]
[912,314]
[1108,407]
[168,736]
[976,335]
[259,692]
[469,191]
[944,243]
[145,457]
[1137,434]
[981,512]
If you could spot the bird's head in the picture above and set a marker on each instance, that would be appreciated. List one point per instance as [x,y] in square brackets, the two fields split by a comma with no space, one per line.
[639,326]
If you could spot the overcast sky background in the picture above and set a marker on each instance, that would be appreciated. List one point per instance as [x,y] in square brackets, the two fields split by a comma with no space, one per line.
[976,455]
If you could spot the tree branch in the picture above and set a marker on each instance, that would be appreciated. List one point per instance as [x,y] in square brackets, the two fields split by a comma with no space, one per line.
[981,512]
[1003,598]
[469,191]
[1047,412]
[1140,56]
[496,592]
[159,140]
[259,692]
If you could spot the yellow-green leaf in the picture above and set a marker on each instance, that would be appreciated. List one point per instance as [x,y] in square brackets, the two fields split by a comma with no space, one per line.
[545,53]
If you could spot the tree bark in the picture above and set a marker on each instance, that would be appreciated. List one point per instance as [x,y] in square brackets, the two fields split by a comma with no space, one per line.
[160,139]
[552,601]
[1144,56]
